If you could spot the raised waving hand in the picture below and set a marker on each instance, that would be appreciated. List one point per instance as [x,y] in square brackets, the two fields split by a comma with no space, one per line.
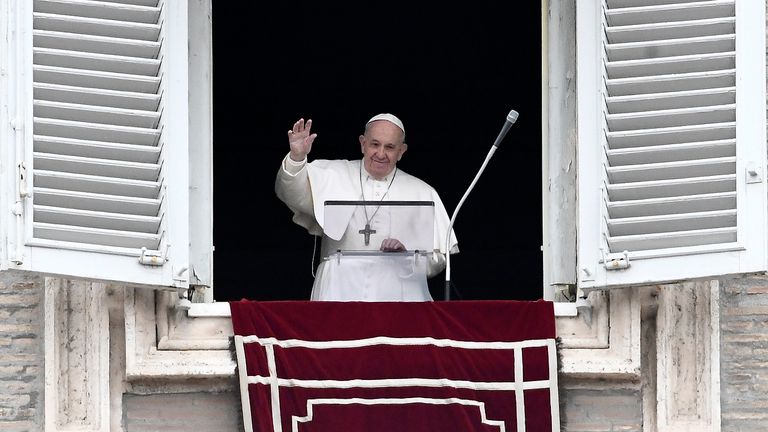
[300,139]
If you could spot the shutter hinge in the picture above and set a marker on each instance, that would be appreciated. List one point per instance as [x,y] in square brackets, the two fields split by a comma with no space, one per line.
[18,129]
[23,191]
[616,261]
[154,258]
[18,211]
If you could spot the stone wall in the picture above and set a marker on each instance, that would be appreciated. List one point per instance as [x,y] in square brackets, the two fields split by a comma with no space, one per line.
[598,402]
[600,405]
[182,412]
[21,353]
[744,354]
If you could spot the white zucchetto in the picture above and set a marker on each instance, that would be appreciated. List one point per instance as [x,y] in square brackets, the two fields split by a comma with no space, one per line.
[390,118]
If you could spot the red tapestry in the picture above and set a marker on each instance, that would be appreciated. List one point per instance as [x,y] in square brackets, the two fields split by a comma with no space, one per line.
[402,366]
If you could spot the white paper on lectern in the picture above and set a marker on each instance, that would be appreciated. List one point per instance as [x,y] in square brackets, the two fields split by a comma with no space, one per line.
[352,270]
[410,222]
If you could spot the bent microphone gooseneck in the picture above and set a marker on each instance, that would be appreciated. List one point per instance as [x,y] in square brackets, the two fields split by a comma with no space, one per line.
[511,119]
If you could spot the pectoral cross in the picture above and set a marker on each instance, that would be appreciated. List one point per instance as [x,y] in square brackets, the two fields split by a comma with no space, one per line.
[367,231]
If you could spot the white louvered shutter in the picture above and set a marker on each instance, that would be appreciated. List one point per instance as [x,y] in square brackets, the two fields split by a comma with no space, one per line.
[672,150]
[101,97]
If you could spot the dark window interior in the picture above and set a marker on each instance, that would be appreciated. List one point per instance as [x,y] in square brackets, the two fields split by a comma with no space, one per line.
[450,72]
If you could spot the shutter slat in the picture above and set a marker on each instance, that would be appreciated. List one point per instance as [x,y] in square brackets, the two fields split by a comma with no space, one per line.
[96,132]
[96,44]
[616,4]
[96,114]
[101,97]
[96,236]
[672,135]
[671,188]
[672,239]
[79,26]
[671,153]
[96,62]
[671,170]
[674,100]
[99,167]
[96,184]
[671,83]
[673,30]
[671,65]
[101,10]
[673,205]
[671,118]
[151,3]
[103,220]
[671,47]
[97,202]
[96,79]
[672,223]
[679,11]
[96,149]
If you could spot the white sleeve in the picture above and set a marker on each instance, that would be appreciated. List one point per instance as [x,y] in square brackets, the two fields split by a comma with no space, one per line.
[436,264]
[291,167]
[292,187]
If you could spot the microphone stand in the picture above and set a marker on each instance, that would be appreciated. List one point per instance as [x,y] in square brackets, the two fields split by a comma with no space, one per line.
[453,218]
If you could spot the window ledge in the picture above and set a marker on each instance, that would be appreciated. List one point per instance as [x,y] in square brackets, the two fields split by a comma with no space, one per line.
[604,342]
[221,310]
[565,309]
[162,343]
[197,343]
[210,310]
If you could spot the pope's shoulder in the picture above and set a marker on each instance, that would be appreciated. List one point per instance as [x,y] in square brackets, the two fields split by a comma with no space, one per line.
[354,165]
[412,178]
[330,163]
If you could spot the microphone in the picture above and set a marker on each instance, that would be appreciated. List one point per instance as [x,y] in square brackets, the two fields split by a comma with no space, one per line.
[511,119]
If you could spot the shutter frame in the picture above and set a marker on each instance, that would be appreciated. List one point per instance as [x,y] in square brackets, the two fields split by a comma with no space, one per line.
[663,264]
[103,261]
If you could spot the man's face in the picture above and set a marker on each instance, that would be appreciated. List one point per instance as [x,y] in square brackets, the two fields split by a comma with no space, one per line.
[382,147]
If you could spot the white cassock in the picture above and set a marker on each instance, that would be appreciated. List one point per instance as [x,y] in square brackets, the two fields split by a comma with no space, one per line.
[305,188]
